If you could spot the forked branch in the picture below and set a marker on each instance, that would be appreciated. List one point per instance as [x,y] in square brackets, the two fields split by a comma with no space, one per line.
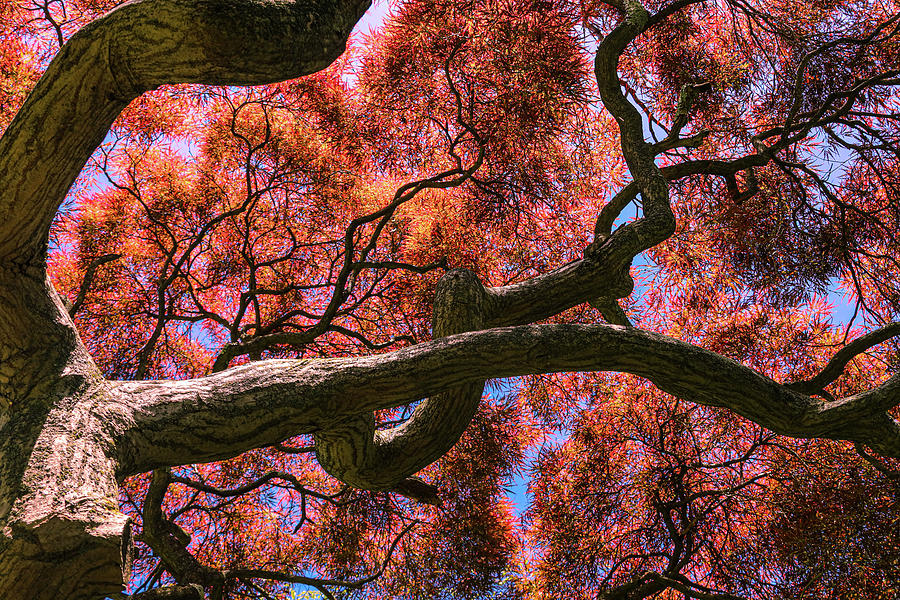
[839,361]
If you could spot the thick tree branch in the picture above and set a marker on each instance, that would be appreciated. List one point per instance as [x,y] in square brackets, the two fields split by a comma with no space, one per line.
[604,270]
[602,274]
[361,456]
[611,311]
[176,422]
[658,222]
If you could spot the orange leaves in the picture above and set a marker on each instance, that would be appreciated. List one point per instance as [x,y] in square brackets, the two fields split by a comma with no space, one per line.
[639,487]
[486,66]
[833,529]
[19,61]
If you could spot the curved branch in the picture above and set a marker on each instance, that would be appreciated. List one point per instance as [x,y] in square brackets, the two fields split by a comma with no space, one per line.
[359,455]
[312,581]
[160,423]
[611,211]
[169,541]
[689,589]
[658,222]
[604,270]
[839,361]
[250,486]
[137,47]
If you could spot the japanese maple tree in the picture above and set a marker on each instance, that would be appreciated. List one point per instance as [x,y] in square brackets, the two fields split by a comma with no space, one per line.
[287,312]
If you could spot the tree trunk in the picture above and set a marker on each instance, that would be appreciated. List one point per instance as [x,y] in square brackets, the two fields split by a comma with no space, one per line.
[63,536]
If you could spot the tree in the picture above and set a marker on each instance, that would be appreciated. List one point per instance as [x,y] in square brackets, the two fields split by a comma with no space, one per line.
[280,304]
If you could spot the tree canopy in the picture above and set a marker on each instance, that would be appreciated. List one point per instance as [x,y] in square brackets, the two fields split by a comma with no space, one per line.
[288,309]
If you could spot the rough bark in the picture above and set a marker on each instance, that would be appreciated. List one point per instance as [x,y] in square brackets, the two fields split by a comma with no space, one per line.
[62,533]
[380,460]
[277,398]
